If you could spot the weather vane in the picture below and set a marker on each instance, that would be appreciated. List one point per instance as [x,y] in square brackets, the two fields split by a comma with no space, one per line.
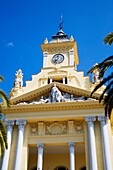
[61,23]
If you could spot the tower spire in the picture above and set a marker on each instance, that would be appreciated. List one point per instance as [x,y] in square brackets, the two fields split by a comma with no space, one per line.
[61,23]
[60,34]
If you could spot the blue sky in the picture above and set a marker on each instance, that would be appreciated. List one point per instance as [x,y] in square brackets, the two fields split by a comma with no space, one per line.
[24,24]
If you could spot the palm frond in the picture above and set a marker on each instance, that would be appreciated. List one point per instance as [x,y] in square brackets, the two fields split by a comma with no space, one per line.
[108,101]
[93,68]
[3,137]
[102,83]
[108,97]
[1,78]
[4,97]
[105,91]
[110,107]
[108,39]
[108,58]
[103,66]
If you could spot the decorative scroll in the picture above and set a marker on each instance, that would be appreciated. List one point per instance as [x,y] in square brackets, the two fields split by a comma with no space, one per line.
[79,127]
[56,128]
[34,129]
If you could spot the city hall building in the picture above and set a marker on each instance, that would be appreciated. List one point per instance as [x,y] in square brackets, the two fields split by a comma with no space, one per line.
[53,123]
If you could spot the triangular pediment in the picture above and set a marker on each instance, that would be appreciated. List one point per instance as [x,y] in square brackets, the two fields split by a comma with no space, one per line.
[67,91]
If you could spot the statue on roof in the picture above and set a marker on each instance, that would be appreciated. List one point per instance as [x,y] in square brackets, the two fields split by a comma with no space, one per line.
[18,79]
[95,77]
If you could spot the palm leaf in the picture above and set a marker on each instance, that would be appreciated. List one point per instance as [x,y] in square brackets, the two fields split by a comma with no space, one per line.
[108,39]
[110,107]
[105,91]
[102,83]
[108,101]
[3,137]
[93,68]
[1,78]
[103,66]
[4,97]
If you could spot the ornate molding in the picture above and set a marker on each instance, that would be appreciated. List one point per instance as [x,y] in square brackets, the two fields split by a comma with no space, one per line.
[79,127]
[34,129]
[56,128]
[41,128]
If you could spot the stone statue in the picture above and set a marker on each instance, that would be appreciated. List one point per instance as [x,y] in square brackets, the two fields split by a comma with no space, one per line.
[18,79]
[95,77]
[56,95]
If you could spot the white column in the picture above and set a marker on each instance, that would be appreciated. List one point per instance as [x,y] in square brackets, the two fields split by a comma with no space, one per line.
[45,59]
[72,155]
[40,156]
[64,80]
[105,143]
[71,57]
[92,145]
[21,124]
[9,124]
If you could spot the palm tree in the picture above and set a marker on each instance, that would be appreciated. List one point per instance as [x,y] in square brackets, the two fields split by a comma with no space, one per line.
[3,134]
[107,95]
[3,96]
[109,39]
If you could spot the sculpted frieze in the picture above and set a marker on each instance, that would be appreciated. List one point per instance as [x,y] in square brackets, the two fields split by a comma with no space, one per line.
[61,50]
[34,129]
[56,95]
[56,128]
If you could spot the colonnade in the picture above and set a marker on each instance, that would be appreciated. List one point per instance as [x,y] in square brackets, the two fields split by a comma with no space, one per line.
[9,125]
[91,139]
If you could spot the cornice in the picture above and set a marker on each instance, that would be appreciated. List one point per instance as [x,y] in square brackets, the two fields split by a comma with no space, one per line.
[52,106]
[57,45]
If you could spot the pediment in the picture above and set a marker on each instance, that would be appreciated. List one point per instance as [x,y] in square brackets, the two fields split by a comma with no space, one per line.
[43,95]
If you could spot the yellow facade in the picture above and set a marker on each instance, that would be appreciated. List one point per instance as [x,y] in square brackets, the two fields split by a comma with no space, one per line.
[57,123]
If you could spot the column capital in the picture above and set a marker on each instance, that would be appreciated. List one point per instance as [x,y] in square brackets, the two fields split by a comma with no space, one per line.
[40,145]
[71,144]
[9,122]
[90,119]
[102,118]
[21,122]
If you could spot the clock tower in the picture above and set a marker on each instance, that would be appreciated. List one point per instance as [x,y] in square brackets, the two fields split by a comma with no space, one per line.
[60,51]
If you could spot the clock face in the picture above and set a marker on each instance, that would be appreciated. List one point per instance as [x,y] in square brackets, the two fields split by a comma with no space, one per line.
[58,58]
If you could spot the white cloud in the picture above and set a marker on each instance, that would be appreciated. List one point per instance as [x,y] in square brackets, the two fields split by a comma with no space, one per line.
[10,44]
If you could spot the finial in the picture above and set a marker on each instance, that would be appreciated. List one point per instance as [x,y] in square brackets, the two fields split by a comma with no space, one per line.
[46,41]
[71,38]
[61,23]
